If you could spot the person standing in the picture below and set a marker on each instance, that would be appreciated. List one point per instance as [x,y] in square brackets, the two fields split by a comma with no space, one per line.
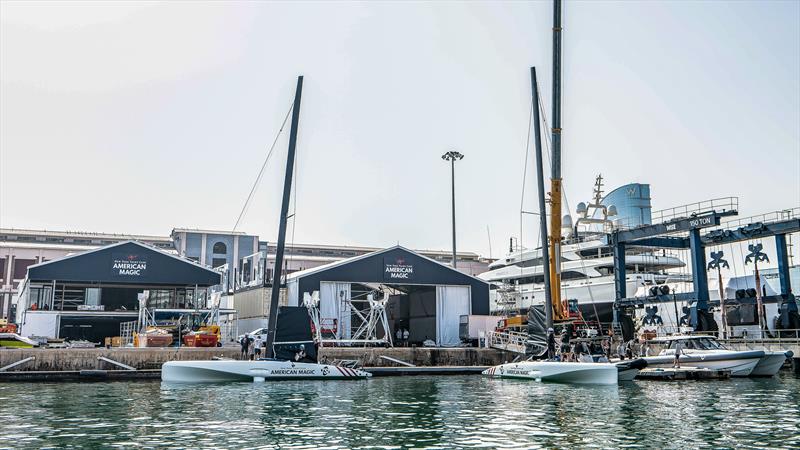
[621,350]
[676,363]
[243,343]
[399,337]
[551,344]
[405,337]
[257,346]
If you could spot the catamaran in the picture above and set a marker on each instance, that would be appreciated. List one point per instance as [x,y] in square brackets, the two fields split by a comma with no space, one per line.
[290,347]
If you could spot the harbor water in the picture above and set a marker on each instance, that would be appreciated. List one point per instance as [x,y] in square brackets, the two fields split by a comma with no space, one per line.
[423,411]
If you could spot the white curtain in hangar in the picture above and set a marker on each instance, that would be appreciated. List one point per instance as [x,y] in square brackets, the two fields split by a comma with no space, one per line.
[292,296]
[452,302]
[334,303]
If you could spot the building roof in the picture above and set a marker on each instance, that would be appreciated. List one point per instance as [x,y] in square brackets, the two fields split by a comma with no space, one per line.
[346,261]
[201,231]
[125,263]
[83,234]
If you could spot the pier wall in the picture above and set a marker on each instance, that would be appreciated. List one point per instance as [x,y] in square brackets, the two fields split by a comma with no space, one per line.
[76,359]
[419,356]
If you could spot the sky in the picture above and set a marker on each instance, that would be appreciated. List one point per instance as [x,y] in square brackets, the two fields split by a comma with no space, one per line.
[141,117]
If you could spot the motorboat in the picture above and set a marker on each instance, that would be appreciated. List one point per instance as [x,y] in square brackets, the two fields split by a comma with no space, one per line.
[558,371]
[201,338]
[153,337]
[771,363]
[258,370]
[704,352]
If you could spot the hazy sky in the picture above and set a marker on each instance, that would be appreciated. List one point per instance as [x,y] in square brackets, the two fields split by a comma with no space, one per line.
[141,117]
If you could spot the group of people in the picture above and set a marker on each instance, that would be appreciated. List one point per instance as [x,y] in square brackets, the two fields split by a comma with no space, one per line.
[581,350]
[251,346]
[401,337]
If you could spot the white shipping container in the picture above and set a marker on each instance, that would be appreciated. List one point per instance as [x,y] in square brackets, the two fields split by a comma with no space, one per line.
[474,327]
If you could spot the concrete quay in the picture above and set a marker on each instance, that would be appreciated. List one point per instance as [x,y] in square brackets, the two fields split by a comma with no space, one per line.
[78,359]
[418,356]
[91,359]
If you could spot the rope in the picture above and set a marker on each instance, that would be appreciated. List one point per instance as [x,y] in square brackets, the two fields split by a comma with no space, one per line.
[524,178]
[261,172]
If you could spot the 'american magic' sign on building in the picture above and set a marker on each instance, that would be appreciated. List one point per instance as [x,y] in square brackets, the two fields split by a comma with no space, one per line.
[397,269]
[128,265]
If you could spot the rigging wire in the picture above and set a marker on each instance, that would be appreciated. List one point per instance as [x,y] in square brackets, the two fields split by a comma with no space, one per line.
[261,171]
[294,214]
[524,178]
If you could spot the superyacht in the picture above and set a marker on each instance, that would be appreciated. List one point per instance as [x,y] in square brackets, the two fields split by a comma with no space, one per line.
[587,262]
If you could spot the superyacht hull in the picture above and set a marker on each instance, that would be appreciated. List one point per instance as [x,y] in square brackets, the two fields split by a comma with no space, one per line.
[259,370]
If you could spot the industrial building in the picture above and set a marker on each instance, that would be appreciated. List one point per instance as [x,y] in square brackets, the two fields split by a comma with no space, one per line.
[87,296]
[426,297]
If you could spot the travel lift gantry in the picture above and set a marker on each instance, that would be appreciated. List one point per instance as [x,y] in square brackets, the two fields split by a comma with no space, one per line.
[658,236]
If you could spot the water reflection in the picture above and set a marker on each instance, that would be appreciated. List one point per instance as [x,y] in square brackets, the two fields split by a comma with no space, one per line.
[469,411]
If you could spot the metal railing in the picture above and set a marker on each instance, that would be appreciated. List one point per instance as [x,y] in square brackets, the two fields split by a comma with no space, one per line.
[766,218]
[688,210]
[511,341]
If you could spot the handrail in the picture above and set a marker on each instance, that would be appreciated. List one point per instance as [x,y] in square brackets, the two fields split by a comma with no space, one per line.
[705,206]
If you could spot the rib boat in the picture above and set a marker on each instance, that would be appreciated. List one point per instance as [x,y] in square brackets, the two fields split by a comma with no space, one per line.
[705,352]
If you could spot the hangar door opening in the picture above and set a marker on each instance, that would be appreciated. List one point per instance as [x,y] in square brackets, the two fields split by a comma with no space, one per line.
[429,312]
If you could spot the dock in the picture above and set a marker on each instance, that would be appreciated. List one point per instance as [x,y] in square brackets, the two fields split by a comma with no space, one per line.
[683,373]
[80,375]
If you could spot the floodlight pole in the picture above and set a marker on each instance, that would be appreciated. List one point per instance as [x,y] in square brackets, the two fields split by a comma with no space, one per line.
[453,156]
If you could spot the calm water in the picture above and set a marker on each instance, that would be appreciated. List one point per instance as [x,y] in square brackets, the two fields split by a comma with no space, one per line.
[444,412]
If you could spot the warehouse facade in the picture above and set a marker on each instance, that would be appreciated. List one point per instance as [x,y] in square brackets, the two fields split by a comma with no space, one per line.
[87,295]
[427,298]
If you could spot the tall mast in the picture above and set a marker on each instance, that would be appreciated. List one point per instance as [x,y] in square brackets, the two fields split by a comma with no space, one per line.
[555,175]
[287,191]
[548,305]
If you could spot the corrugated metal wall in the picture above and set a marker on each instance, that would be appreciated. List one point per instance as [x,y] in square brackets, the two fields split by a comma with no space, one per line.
[254,303]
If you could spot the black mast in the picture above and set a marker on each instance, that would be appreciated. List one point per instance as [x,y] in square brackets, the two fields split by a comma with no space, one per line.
[548,305]
[287,190]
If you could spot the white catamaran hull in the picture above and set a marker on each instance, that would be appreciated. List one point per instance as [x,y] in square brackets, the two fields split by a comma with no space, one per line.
[216,371]
[560,372]
[769,365]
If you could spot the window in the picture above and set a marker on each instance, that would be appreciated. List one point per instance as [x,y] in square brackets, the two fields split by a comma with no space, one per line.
[216,262]
[93,296]
[220,248]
